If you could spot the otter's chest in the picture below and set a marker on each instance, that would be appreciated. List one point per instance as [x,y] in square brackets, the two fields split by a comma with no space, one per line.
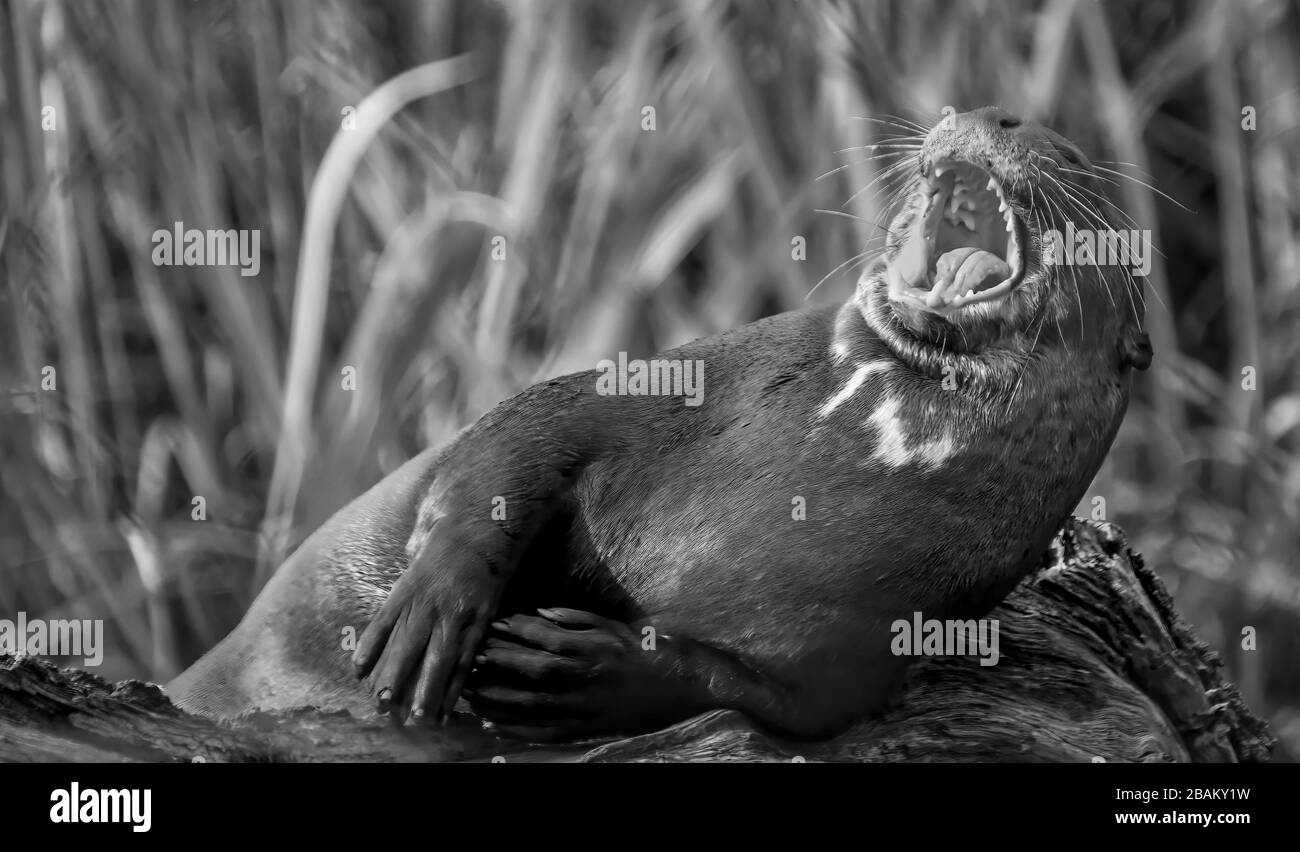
[835,509]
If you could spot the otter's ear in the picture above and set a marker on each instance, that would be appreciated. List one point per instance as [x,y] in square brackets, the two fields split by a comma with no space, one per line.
[1138,351]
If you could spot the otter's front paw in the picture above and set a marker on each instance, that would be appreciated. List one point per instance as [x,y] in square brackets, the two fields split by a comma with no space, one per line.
[568,675]
[418,649]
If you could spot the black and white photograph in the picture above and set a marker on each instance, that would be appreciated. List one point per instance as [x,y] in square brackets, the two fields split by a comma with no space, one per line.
[672,381]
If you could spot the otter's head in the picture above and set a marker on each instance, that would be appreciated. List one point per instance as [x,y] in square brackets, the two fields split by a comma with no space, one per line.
[968,270]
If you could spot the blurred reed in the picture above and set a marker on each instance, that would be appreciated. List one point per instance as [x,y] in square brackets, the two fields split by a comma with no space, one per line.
[517,127]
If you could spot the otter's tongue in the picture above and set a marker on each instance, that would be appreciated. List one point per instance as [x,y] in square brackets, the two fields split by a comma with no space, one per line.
[966,269]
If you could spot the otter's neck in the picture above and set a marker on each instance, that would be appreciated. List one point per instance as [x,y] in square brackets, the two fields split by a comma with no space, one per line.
[997,370]
[1048,418]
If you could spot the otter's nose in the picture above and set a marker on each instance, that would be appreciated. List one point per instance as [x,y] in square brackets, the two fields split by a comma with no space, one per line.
[988,118]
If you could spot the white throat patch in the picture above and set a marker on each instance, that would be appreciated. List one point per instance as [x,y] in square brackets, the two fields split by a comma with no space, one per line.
[896,449]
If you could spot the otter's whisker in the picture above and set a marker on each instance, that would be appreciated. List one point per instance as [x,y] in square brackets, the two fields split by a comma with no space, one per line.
[887,145]
[900,168]
[895,121]
[1134,166]
[906,160]
[1080,172]
[1028,356]
[1074,275]
[1093,216]
[1071,188]
[860,257]
[863,219]
[1078,298]
[1122,239]
[1145,184]
[1123,271]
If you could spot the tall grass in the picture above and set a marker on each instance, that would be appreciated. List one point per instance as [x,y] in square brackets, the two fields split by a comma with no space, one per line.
[477,128]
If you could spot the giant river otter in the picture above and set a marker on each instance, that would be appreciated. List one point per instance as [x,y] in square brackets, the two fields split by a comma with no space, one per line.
[582,562]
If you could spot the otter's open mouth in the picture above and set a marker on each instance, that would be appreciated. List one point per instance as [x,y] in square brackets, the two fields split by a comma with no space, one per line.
[964,247]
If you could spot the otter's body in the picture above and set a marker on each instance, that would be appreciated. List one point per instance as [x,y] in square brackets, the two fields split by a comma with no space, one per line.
[830,483]
[692,528]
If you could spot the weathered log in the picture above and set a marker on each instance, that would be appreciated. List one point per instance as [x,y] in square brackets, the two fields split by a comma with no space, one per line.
[1095,664]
